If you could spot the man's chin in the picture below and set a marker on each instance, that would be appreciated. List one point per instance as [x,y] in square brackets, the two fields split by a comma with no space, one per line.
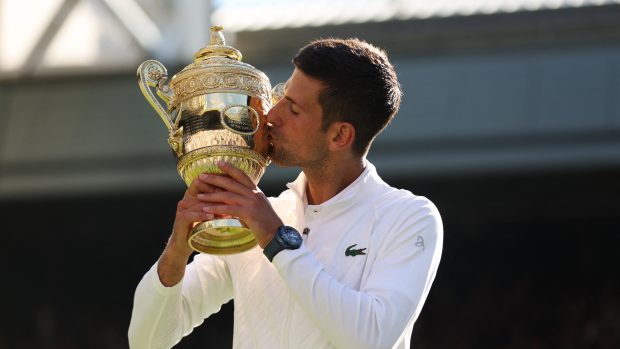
[279,159]
[280,163]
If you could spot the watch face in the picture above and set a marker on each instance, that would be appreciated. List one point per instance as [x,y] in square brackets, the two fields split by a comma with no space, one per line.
[291,236]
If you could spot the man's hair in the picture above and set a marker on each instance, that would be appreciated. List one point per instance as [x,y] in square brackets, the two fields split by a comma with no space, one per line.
[360,85]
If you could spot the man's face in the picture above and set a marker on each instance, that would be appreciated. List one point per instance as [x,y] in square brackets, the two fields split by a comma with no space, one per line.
[296,135]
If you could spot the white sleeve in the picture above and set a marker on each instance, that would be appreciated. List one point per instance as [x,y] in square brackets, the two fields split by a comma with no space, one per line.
[388,301]
[162,315]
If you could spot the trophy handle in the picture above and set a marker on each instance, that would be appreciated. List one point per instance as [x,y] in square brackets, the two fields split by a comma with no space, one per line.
[152,73]
[277,93]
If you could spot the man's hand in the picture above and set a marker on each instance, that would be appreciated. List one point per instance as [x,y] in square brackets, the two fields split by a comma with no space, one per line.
[240,198]
[173,260]
[189,211]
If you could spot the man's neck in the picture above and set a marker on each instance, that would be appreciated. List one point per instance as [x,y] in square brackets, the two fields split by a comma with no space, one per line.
[325,182]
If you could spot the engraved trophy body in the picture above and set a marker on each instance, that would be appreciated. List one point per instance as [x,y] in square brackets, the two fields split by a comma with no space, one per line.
[215,109]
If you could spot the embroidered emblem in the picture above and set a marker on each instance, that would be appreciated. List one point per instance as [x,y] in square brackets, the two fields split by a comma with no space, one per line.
[354,251]
[420,242]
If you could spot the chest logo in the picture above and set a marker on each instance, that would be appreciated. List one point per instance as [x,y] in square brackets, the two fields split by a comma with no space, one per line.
[354,251]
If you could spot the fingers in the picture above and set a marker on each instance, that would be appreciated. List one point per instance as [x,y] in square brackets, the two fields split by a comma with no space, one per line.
[225,203]
[228,184]
[189,209]
[189,212]
[199,186]
[224,210]
[238,182]
[228,211]
[262,220]
[232,193]
[236,174]
[187,219]
[224,197]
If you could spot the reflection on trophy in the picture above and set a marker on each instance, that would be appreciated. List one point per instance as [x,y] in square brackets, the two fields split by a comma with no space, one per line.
[215,110]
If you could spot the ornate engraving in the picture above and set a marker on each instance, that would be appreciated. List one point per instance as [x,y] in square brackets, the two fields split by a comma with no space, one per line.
[155,72]
[152,73]
[204,160]
[200,80]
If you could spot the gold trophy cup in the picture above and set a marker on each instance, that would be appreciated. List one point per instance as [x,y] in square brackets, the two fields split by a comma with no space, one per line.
[215,110]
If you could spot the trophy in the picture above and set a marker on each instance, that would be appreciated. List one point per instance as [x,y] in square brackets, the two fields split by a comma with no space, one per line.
[215,109]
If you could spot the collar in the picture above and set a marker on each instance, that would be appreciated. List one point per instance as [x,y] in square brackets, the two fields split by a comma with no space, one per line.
[344,197]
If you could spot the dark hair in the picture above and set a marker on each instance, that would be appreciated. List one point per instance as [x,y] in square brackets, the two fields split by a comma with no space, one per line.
[360,85]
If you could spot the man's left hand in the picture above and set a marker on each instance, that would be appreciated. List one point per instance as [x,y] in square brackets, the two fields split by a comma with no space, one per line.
[241,198]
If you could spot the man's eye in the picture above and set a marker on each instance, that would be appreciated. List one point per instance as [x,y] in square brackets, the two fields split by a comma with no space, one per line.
[292,109]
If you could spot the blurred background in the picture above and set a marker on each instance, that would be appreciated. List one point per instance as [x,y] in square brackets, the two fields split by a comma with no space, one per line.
[510,123]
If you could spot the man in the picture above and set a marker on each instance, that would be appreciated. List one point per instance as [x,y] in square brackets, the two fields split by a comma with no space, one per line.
[359,273]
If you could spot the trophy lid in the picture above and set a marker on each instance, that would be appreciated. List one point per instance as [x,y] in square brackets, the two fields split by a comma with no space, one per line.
[217,68]
[217,47]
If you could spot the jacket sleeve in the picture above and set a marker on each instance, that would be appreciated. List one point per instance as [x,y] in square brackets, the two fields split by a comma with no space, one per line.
[162,316]
[389,299]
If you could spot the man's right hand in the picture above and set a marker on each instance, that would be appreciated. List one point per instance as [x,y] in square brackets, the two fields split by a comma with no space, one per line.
[171,265]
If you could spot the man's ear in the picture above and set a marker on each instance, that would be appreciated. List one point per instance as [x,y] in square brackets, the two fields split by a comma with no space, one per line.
[341,135]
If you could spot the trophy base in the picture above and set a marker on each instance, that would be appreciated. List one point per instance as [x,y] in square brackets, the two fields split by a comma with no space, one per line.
[221,236]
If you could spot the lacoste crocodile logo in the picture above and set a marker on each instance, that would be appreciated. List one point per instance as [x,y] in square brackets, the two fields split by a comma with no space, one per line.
[354,251]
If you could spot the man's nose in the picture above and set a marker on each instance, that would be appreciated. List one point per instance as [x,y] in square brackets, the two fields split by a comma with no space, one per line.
[273,116]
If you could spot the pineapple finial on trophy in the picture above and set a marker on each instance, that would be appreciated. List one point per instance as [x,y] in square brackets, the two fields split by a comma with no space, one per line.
[217,47]
[217,37]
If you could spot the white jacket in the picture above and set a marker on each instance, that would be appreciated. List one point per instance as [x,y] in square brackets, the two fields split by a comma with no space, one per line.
[322,295]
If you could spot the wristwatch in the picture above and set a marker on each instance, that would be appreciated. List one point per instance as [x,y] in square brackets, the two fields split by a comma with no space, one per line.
[286,238]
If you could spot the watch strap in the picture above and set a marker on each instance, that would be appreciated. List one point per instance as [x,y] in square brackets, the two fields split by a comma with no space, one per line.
[273,247]
[286,238]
